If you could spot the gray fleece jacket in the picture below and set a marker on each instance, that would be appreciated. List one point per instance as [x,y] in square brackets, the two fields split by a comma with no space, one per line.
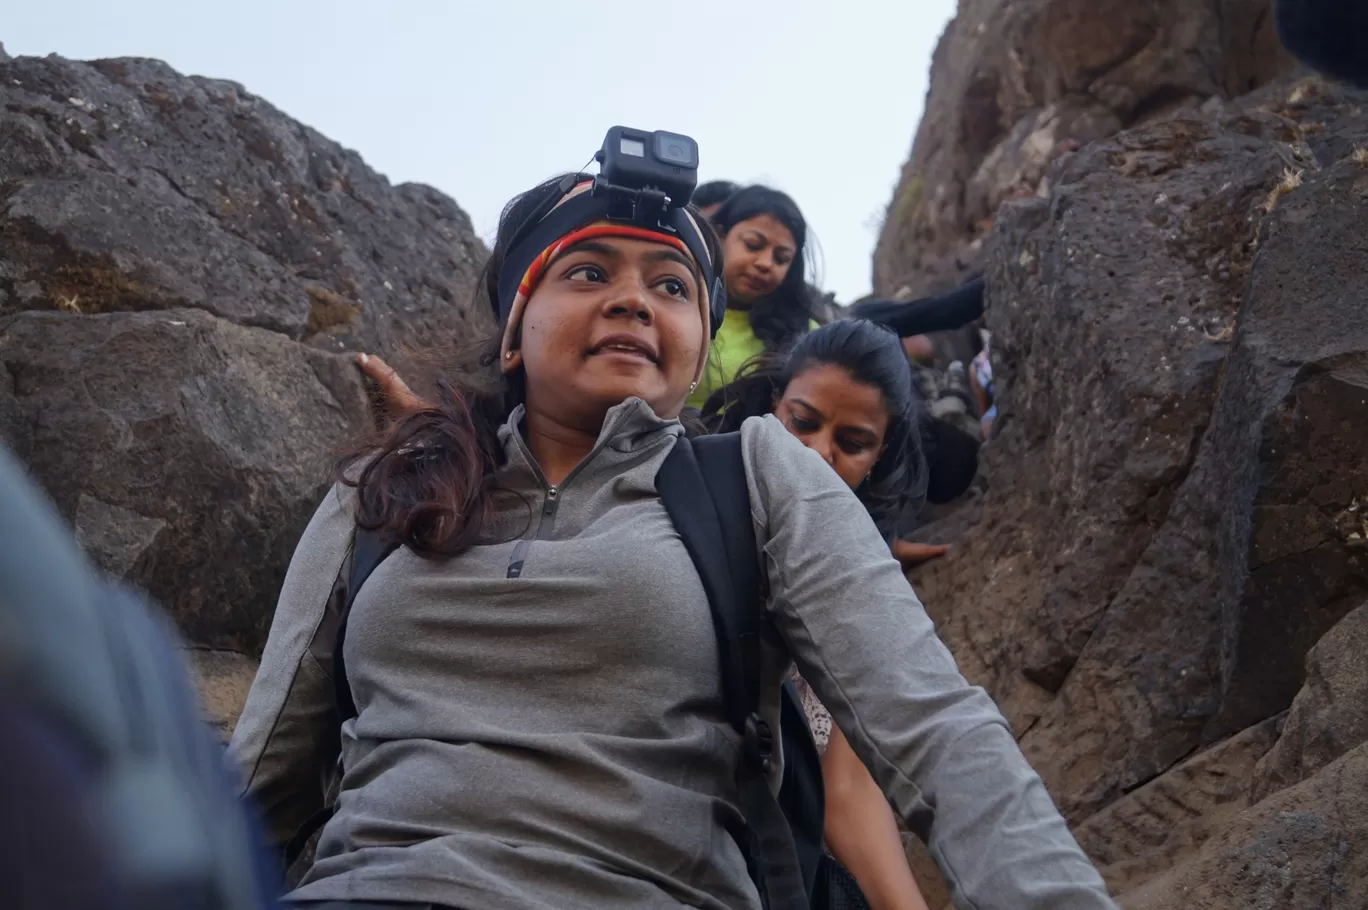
[540,722]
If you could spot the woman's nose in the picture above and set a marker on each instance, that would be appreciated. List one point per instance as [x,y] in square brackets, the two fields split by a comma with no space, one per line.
[630,299]
[821,444]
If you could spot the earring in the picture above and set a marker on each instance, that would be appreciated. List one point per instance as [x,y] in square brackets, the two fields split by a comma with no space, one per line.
[693,386]
[508,355]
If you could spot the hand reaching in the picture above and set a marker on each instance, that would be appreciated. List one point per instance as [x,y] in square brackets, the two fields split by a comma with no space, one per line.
[914,554]
[394,394]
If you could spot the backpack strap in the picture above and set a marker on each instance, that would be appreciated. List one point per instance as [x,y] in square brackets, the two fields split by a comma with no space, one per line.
[369,549]
[702,484]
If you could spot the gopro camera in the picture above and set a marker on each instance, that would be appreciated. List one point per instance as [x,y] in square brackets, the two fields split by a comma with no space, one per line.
[659,162]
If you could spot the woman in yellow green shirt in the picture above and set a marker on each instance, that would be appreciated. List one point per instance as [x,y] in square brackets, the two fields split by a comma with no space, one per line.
[769,303]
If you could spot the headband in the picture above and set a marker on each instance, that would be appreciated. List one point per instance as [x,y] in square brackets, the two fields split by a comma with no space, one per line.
[587,203]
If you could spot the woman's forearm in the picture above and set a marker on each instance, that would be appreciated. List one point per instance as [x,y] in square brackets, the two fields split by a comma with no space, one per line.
[861,831]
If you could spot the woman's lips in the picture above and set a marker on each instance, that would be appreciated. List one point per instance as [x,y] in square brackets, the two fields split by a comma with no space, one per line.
[758,285]
[626,347]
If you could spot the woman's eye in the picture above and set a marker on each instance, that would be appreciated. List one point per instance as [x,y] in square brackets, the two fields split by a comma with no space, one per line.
[674,287]
[802,424]
[783,259]
[755,246]
[853,446]
[586,273]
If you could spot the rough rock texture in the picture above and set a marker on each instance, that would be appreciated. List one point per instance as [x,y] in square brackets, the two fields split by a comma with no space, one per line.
[1175,506]
[126,186]
[188,452]
[1329,716]
[180,267]
[223,679]
[1303,849]
[1014,83]
[1304,841]
[1125,306]
[1146,832]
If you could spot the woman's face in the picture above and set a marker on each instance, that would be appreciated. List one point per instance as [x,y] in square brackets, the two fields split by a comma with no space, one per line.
[613,318]
[840,419]
[756,255]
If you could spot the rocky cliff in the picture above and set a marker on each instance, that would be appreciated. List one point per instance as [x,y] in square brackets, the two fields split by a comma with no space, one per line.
[1163,584]
[180,267]
[1016,83]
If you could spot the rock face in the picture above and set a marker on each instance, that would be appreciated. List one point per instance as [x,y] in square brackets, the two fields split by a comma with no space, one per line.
[1146,833]
[126,186]
[1014,83]
[223,679]
[1329,717]
[187,451]
[181,266]
[1175,506]
[1303,849]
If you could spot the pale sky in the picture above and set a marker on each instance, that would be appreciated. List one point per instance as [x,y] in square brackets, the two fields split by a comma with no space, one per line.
[485,99]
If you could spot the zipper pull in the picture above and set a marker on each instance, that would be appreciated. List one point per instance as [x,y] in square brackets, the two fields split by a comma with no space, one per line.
[550,505]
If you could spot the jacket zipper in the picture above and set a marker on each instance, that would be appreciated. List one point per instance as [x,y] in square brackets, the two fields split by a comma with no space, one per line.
[551,501]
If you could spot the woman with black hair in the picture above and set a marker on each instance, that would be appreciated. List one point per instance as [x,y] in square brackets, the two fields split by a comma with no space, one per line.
[845,391]
[536,676]
[710,196]
[769,302]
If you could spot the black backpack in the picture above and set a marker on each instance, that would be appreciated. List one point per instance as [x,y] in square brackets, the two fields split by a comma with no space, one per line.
[702,484]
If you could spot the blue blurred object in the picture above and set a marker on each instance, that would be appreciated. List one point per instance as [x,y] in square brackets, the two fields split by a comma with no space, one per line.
[114,792]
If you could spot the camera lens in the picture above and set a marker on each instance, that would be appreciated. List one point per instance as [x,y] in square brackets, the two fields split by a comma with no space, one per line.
[677,150]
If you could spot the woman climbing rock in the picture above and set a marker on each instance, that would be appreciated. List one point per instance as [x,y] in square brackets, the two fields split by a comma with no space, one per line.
[769,302]
[845,392]
[534,691]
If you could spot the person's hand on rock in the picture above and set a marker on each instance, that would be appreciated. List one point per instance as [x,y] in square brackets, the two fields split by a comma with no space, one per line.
[395,394]
[910,553]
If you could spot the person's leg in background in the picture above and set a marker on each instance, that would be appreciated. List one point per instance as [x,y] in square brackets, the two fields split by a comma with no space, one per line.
[1327,35]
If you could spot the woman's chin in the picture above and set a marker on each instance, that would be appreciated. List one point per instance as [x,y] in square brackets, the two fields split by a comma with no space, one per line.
[613,391]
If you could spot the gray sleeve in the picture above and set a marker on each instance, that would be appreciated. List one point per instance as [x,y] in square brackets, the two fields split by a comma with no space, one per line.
[938,747]
[287,740]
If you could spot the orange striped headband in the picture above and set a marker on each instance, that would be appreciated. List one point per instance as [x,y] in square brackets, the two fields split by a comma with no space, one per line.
[534,272]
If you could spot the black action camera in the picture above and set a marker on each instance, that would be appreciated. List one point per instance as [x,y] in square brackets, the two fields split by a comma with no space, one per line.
[635,160]
[645,179]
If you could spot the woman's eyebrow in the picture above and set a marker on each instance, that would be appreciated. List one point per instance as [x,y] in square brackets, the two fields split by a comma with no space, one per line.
[807,404]
[668,255]
[858,430]
[593,246]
